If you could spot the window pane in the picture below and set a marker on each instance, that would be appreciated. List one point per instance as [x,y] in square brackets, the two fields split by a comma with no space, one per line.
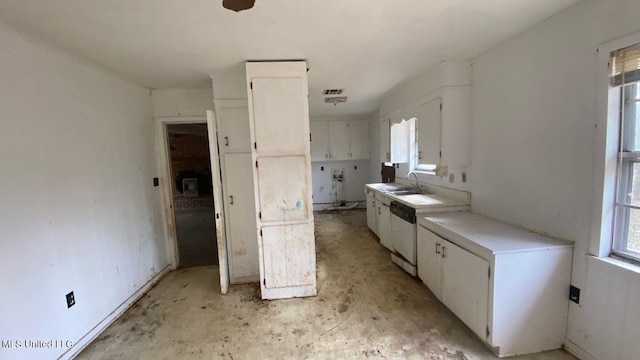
[633,195]
[633,234]
[631,120]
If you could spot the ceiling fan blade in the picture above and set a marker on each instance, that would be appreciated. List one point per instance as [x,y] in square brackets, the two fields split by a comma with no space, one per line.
[238,5]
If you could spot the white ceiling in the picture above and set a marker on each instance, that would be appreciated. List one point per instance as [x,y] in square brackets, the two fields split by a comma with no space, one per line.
[364,46]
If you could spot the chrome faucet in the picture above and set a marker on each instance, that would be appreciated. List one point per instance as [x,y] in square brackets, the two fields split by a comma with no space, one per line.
[416,175]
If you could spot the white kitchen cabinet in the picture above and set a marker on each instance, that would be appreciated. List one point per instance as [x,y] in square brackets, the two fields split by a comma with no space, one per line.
[238,201]
[444,118]
[465,286]
[359,139]
[429,132]
[385,140]
[234,129]
[279,126]
[371,212]
[429,260]
[510,286]
[383,222]
[241,222]
[319,140]
[339,140]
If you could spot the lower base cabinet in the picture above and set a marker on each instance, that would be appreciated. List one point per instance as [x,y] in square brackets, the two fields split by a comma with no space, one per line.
[456,277]
[508,285]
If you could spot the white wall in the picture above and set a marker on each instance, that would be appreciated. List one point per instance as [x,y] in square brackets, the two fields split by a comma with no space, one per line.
[325,190]
[79,210]
[533,150]
[182,102]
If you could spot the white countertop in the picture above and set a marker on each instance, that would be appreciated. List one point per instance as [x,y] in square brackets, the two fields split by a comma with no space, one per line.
[490,235]
[420,202]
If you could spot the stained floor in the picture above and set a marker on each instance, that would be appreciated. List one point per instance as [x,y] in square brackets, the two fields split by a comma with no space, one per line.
[196,230]
[366,308]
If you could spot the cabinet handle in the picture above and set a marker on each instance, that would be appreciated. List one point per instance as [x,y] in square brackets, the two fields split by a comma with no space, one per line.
[444,253]
[226,141]
[437,248]
[231,200]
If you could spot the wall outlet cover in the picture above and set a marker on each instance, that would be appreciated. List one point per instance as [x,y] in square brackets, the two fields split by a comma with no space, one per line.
[574,294]
[71,300]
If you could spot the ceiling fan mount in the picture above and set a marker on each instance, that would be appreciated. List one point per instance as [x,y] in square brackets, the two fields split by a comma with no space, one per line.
[238,5]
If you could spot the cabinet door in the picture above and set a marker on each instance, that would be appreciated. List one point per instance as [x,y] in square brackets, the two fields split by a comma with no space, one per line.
[465,286]
[430,260]
[279,124]
[319,140]
[384,225]
[359,139]
[234,124]
[385,141]
[371,214]
[456,119]
[429,133]
[400,142]
[339,140]
[241,230]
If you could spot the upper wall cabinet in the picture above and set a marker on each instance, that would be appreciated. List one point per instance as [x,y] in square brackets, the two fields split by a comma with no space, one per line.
[385,140]
[444,118]
[319,140]
[339,140]
[440,100]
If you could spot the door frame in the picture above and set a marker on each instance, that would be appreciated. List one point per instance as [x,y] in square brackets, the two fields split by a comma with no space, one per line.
[165,182]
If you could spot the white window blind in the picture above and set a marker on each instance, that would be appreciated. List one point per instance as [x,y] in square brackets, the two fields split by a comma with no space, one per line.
[625,66]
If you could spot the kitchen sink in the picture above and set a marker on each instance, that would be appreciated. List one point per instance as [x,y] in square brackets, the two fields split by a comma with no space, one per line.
[403,192]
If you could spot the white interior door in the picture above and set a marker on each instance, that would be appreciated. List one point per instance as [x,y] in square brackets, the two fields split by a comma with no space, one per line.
[241,232]
[217,202]
[279,123]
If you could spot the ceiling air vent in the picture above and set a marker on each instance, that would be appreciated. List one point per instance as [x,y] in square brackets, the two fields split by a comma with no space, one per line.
[332,91]
[335,100]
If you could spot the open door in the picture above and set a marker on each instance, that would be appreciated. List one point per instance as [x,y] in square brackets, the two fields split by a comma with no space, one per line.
[217,202]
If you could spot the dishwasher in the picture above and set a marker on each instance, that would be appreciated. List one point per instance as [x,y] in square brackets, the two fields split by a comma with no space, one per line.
[403,236]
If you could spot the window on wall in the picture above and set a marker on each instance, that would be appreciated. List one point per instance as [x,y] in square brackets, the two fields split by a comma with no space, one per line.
[624,82]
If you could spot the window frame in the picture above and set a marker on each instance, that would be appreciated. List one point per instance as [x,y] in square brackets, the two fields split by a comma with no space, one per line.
[625,167]
[607,150]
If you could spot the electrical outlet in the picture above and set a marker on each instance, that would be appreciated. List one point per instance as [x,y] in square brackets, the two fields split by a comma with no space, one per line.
[156,181]
[574,294]
[464,177]
[451,177]
[71,299]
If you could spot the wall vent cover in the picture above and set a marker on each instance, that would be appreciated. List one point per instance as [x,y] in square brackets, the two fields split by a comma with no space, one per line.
[335,100]
[332,91]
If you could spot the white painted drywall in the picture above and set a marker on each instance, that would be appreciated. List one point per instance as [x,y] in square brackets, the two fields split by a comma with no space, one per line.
[533,150]
[79,210]
[325,190]
[182,102]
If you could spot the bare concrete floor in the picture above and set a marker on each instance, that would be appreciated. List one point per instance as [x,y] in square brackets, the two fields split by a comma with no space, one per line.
[366,308]
[196,230]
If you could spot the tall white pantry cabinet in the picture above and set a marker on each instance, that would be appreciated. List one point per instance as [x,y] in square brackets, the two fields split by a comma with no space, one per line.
[279,127]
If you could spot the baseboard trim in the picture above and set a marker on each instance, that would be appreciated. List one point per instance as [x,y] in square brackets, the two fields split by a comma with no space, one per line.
[87,338]
[577,351]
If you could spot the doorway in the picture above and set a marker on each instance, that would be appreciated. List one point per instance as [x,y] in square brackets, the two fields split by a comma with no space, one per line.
[192,192]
